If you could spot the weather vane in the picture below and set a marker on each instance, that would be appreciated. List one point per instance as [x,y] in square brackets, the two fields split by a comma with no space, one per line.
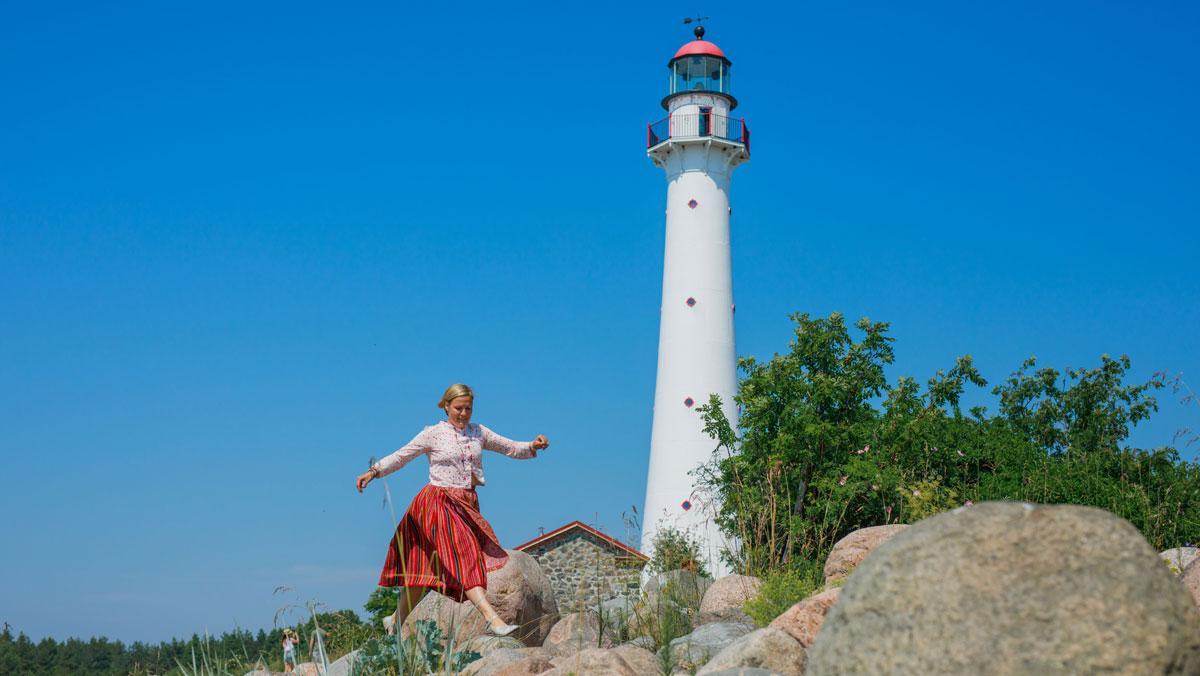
[696,20]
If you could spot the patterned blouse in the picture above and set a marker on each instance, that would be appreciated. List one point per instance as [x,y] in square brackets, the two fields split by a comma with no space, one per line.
[455,456]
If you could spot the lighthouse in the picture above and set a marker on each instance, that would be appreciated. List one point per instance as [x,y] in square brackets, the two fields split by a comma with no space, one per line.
[697,145]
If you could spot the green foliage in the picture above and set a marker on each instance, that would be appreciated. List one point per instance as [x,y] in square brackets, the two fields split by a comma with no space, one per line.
[926,498]
[826,444]
[675,549]
[381,603]
[783,589]
[234,652]
[428,651]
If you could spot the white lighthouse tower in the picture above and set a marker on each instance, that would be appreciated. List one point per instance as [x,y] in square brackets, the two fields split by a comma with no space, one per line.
[697,145]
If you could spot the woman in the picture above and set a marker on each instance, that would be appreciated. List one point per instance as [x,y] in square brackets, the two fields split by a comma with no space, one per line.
[290,639]
[443,542]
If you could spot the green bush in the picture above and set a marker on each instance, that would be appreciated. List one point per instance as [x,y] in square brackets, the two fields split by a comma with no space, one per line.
[675,549]
[826,443]
[783,589]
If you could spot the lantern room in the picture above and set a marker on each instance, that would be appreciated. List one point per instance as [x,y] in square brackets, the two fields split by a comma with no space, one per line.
[699,67]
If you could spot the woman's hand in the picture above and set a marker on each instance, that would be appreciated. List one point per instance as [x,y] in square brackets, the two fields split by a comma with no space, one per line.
[365,478]
[539,443]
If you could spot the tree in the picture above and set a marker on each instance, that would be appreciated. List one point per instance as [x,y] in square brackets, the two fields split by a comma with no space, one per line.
[381,603]
[825,444]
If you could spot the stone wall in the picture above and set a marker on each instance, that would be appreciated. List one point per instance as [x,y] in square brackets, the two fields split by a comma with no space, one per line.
[583,569]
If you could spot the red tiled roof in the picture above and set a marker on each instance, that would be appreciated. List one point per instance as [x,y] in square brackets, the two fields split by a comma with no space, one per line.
[579,524]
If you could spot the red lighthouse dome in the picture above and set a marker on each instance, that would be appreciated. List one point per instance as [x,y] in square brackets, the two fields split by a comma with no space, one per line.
[699,47]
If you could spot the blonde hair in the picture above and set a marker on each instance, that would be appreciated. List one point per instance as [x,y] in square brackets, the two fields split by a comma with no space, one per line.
[454,392]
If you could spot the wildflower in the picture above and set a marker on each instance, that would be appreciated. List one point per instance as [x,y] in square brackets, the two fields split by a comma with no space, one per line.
[968,503]
[842,481]
[916,493]
[960,453]
[874,487]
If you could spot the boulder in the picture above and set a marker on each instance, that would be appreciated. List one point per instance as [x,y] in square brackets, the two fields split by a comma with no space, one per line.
[724,599]
[343,666]
[600,662]
[742,671]
[678,592]
[1006,588]
[615,612]
[644,642]
[528,666]
[519,591]
[641,660]
[697,648]
[575,632]
[307,669]
[766,648]
[850,551]
[1180,558]
[1191,581]
[486,644]
[500,659]
[803,620]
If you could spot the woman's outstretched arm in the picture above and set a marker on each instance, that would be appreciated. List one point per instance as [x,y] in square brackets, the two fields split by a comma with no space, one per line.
[401,457]
[520,450]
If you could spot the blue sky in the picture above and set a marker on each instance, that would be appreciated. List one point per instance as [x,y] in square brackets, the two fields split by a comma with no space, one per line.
[244,248]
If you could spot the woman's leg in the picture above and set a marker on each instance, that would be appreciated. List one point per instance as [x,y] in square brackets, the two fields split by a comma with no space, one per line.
[409,598]
[478,596]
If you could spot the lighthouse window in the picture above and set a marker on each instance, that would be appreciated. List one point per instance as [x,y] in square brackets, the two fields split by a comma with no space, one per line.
[699,73]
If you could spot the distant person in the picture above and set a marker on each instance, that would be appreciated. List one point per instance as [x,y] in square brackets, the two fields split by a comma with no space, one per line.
[290,640]
[443,542]
[317,646]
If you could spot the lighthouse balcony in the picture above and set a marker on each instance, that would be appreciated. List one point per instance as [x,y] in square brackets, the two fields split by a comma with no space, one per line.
[699,126]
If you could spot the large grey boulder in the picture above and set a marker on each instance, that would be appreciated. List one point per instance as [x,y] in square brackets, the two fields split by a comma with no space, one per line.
[519,591]
[697,648]
[724,599]
[1012,588]
[766,648]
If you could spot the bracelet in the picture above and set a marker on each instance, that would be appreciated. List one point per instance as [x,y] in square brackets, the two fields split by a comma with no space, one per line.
[374,472]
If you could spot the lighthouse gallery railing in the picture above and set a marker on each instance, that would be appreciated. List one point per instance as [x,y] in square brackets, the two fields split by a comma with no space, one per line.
[696,125]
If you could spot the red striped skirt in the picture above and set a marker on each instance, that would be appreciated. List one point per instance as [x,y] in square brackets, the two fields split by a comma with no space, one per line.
[443,542]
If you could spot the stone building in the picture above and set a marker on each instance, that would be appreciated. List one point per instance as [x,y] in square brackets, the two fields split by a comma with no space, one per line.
[584,565]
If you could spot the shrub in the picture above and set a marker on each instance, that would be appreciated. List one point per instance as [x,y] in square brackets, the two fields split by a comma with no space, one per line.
[783,589]
[676,549]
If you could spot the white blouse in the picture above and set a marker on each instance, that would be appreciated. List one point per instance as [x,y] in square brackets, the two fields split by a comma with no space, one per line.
[455,456]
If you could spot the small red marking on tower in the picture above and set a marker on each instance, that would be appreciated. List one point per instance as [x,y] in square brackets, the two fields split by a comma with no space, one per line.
[693,204]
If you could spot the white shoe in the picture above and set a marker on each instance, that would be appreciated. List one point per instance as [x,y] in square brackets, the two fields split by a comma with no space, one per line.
[389,625]
[504,630]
